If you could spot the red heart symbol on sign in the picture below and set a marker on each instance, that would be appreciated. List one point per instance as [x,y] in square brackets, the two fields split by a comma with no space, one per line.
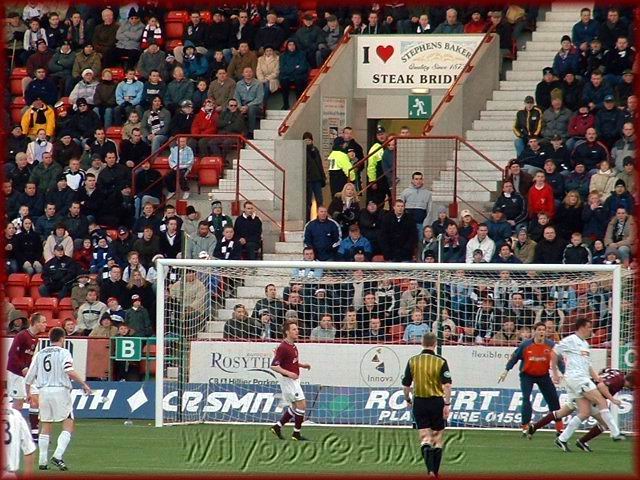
[384,52]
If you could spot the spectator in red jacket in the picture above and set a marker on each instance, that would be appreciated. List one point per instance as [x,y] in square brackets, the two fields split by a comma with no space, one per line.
[578,126]
[206,123]
[476,24]
[540,197]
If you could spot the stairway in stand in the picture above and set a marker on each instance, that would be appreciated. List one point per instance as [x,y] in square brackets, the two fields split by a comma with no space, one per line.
[492,133]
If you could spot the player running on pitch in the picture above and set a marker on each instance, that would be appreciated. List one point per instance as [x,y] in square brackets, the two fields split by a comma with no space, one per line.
[612,381]
[52,371]
[23,347]
[286,364]
[17,441]
[581,379]
[427,376]
[535,357]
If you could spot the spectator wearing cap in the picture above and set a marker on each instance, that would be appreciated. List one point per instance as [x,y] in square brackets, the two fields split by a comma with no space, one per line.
[268,71]
[567,59]
[554,179]
[523,246]
[137,317]
[66,149]
[619,197]
[580,122]
[571,87]
[122,245]
[398,235]
[206,123]
[202,241]
[105,328]
[152,59]
[58,274]
[476,23]
[544,88]
[269,34]
[86,59]
[195,64]
[625,146]
[85,88]
[418,202]
[294,72]
[61,195]
[128,37]
[218,32]
[16,143]
[83,255]
[217,220]
[41,87]
[38,59]
[585,30]
[624,89]
[609,121]
[528,123]
[520,179]
[628,174]
[133,152]
[556,118]
[467,226]
[128,96]
[190,221]
[375,178]
[115,310]
[352,242]
[534,155]
[596,90]
[308,38]
[83,122]
[618,59]
[17,320]
[182,121]
[578,179]
[38,116]
[104,37]
[91,312]
[500,230]
[105,100]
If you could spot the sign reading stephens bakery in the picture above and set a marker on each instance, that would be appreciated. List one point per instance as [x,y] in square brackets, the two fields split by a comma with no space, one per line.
[412,61]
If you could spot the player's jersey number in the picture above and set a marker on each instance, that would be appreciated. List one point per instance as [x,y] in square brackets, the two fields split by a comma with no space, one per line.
[7,433]
[47,363]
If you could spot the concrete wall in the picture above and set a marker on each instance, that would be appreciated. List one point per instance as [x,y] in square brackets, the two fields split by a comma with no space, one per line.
[291,156]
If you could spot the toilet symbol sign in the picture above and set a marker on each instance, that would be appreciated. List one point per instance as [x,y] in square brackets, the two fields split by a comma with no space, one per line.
[419,106]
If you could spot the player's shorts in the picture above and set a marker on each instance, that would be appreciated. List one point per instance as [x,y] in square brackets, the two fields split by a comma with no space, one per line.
[577,386]
[291,390]
[55,404]
[16,387]
[427,413]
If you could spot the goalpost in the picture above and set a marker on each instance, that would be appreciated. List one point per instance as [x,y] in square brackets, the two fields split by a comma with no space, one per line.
[213,360]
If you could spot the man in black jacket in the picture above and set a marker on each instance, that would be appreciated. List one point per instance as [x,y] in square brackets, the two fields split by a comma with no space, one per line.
[90,197]
[16,142]
[543,89]
[114,286]
[122,245]
[248,230]
[76,224]
[58,274]
[20,172]
[61,196]
[316,178]
[550,249]
[398,234]
[134,151]
[114,176]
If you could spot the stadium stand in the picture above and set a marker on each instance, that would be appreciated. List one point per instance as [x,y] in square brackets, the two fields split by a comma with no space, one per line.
[113,216]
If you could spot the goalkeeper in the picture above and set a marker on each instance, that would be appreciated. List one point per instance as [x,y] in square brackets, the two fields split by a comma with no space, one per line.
[534,356]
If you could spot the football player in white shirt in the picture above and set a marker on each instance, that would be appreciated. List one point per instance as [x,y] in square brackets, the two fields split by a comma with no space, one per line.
[52,371]
[17,441]
[580,380]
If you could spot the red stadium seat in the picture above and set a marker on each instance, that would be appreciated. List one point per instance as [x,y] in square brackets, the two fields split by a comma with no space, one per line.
[118,73]
[23,303]
[66,315]
[16,80]
[17,105]
[113,233]
[162,165]
[36,282]
[171,44]
[65,304]
[208,177]
[52,322]
[395,333]
[193,174]
[17,285]
[377,258]
[47,306]
[114,133]
[175,22]
[206,16]
[212,162]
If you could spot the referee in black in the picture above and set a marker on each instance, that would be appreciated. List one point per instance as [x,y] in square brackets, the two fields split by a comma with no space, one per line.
[427,386]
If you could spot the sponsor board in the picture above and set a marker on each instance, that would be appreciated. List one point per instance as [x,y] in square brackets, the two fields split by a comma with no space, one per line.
[339,365]
[412,61]
[211,402]
[77,347]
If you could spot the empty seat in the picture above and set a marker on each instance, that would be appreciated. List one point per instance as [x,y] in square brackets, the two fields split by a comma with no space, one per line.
[17,105]
[113,233]
[206,16]
[212,162]
[395,333]
[114,133]
[65,304]
[52,322]
[34,286]
[17,285]
[174,24]
[66,315]
[15,80]
[118,73]
[23,303]
[208,177]
[161,164]
[47,306]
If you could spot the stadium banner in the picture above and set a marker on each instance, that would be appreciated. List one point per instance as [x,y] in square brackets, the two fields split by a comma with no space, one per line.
[353,365]
[77,347]
[412,61]
[233,402]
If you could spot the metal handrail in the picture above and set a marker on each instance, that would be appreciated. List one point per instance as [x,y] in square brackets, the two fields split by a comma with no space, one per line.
[284,126]
[239,141]
[488,38]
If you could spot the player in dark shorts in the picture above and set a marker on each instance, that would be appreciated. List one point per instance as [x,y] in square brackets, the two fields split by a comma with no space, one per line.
[428,378]
[287,365]
[611,382]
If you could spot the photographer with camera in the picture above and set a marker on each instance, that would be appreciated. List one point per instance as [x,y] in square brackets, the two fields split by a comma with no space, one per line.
[345,208]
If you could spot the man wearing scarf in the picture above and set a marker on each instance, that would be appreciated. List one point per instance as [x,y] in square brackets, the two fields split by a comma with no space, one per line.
[39,116]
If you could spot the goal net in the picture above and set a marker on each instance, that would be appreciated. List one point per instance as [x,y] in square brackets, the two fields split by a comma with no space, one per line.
[219,323]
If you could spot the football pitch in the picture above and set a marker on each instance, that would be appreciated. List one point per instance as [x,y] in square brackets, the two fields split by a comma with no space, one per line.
[109,446]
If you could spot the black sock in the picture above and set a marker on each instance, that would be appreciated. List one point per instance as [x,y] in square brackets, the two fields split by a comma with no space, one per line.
[437,458]
[427,455]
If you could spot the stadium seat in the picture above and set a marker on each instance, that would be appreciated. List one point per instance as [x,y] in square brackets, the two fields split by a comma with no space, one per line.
[212,162]
[17,105]
[395,333]
[193,173]
[175,23]
[118,73]
[66,315]
[17,285]
[113,233]
[36,282]
[171,44]
[23,303]
[46,304]
[52,322]
[162,165]
[114,133]
[16,80]
[65,305]
[206,16]
[208,178]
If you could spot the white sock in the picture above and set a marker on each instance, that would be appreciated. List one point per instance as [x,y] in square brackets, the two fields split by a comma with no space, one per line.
[63,442]
[608,419]
[43,448]
[571,427]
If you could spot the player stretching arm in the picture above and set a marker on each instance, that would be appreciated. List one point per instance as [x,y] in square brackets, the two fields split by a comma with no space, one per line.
[430,377]
[286,364]
[581,381]
[23,347]
[52,371]
[17,442]
[535,357]
[612,381]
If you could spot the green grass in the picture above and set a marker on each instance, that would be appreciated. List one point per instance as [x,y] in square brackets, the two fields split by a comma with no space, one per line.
[111,447]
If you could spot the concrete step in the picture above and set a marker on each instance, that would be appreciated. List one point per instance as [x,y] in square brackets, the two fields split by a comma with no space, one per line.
[543,36]
[547,46]
[492,124]
[266,176]
[262,279]
[497,114]
[265,134]
[511,94]
[529,75]
[563,16]
[446,197]
[561,27]
[249,303]
[496,156]
[227,193]
[210,336]
[519,85]
[489,146]
[251,154]
[250,292]
[532,65]
[277,114]
[536,55]
[214,327]
[260,144]
[284,256]
[253,164]
[506,117]
[270,124]
[294,236]
[474,135]
[480,175]
[289,247]
[569,7]
[514,105]
[477,164]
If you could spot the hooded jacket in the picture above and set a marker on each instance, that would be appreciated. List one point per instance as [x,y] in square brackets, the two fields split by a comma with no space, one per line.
[293,65]
[196,65]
